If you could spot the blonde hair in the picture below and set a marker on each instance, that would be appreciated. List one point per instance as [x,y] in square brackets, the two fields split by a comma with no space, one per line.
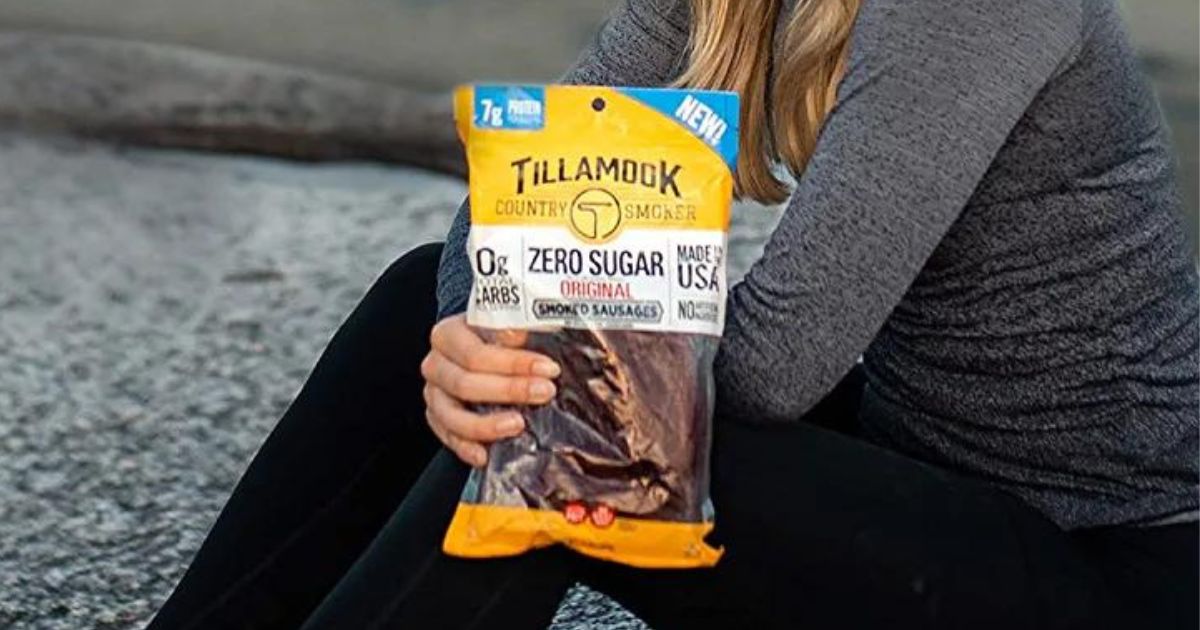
[732,48]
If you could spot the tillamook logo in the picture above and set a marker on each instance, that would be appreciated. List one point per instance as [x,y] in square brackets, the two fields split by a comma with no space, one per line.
[595,215]
[659,176]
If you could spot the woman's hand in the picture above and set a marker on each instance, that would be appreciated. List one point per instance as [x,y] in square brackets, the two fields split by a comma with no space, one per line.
[462,368]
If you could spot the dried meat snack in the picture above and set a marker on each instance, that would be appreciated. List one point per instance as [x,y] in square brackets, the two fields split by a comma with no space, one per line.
[620,432]
[599,221]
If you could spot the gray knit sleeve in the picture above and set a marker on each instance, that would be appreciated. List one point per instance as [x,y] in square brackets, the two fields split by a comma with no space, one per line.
[932,90]
[642,44]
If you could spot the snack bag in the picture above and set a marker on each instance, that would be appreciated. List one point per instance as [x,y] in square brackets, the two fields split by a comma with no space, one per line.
[599,220]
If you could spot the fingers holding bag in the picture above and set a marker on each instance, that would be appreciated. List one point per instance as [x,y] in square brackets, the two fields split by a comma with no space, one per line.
[462,368]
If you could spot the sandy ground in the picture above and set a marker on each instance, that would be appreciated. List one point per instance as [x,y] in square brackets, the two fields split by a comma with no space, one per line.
[158,312]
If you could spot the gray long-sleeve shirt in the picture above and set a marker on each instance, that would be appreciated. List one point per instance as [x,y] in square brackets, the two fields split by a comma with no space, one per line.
[989,221]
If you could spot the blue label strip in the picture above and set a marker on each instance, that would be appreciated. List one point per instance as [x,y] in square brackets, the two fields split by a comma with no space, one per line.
[709,115]
[518,107]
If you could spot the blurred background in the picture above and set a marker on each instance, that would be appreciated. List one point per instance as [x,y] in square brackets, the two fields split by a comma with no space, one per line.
[159,307]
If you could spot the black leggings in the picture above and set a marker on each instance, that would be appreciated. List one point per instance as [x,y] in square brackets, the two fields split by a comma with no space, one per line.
[338,523]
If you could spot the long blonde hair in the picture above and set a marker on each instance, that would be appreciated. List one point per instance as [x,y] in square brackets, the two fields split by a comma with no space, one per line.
[732,48]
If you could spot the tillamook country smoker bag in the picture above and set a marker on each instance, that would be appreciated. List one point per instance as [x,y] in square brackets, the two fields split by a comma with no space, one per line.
[598,223]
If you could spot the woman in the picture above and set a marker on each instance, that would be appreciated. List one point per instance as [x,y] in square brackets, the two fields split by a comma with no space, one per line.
[984,212]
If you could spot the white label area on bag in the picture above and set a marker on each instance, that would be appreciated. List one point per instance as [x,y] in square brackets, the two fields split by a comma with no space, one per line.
[543,277]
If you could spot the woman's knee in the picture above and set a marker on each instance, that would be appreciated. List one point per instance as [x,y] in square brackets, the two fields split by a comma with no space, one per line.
[408,286]
[387,334]
[417,268]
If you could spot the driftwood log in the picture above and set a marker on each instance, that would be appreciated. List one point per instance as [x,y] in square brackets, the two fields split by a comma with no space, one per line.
[168,96]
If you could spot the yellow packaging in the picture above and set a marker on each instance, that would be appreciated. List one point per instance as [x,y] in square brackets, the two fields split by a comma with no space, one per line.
[599,220]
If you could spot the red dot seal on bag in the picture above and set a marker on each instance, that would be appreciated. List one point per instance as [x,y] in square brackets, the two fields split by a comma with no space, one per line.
[575,512]
[603,516]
